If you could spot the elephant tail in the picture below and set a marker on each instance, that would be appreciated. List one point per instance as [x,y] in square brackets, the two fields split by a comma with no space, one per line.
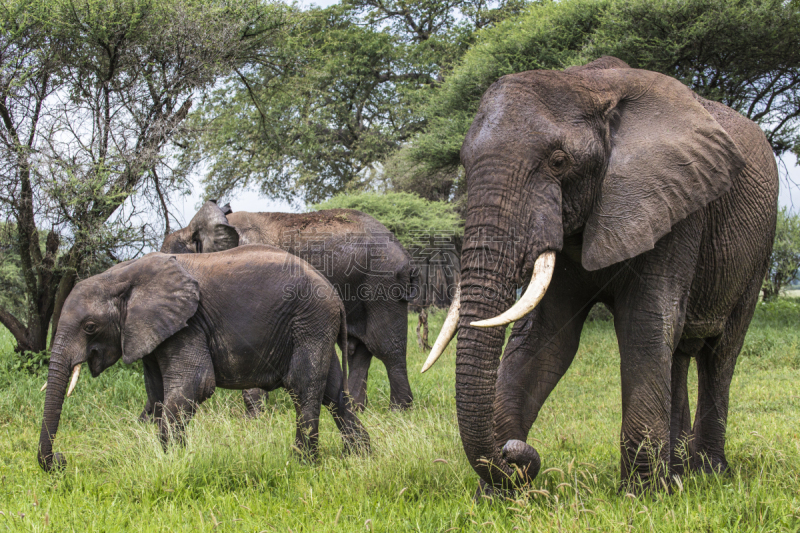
[343,346]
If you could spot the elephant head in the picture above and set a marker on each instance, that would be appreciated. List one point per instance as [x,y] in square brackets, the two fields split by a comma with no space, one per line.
[208,231]
[125,312]
[605,155]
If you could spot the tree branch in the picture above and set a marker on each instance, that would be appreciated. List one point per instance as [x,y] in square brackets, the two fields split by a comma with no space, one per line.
[16,327]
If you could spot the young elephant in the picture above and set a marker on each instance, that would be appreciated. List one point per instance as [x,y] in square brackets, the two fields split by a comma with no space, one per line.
[251,317]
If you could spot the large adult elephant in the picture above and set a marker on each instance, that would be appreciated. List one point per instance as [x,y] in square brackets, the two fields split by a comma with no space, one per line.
[363,260]
[607,184]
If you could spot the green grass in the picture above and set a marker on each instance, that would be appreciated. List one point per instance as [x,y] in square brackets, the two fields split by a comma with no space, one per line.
[240,475]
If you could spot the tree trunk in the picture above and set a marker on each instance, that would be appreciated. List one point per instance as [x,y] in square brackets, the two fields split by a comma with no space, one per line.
[64,288]
[422,338]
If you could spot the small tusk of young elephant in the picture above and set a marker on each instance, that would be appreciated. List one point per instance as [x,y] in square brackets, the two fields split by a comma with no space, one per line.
[446,333]
[75,373]
[43,387]
[540,280]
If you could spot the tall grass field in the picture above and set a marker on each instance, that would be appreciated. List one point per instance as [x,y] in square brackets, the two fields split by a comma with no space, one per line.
[236,474]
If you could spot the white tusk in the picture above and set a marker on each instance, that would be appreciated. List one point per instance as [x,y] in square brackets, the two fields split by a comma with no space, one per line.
[446,333]
[75,373]
[43,387]
[542,274]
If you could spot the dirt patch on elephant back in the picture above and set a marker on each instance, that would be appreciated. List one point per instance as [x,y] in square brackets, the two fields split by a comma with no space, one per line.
[327,219]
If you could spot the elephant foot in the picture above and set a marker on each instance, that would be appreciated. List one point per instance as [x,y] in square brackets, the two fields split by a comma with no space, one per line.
[304,454]
[403,405]
[52,462]
[524,458]
[487,492]
[357,444]
[658,479]
[525,461]
[254,401]
[146,417]
[649,486]
[709,464]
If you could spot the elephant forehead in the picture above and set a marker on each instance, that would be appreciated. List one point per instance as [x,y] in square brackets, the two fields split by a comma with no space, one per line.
[87,298]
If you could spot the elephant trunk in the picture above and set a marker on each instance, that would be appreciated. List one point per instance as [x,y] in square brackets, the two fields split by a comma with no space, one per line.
[477,360]
[57,377]
[487,290]
[502,245]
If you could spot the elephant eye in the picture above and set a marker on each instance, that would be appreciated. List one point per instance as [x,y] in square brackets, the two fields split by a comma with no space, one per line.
[90,328]
[559,161]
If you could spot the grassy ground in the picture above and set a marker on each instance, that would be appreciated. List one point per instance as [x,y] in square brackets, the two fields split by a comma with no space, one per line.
[240,475]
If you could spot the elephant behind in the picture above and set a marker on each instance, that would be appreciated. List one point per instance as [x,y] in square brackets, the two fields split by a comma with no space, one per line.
[368,267]
[604,183]
[236,320]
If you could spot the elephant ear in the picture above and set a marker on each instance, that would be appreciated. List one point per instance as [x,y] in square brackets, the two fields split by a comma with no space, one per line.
[160,298]
[210,226]
[668,158]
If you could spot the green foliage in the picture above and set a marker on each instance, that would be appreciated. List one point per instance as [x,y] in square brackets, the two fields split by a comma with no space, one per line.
[12,282]
[784,263]
[745,53]
[406,215]
[777,313]
[35,363]
[309,123]
[241,475]
[94,95]
[342,94]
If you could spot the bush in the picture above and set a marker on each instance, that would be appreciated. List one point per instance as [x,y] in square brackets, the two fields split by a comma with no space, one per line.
[408,216]
[784,263]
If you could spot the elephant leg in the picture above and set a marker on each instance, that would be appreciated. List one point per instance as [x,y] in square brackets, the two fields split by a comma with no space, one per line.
[188,375]
[400,397]
[306,382]
[540,350]
[715,366]
[646,369]
[649,320]
[307,433]
[393,355]
[680,429]
[178,410]
[254,399]
[651,295]
[359,371]
[353,433]
[154,385]
[387,340]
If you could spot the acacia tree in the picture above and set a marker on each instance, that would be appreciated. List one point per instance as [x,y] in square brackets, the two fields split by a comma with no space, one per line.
[92,95]
[745,53]
[345,94]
